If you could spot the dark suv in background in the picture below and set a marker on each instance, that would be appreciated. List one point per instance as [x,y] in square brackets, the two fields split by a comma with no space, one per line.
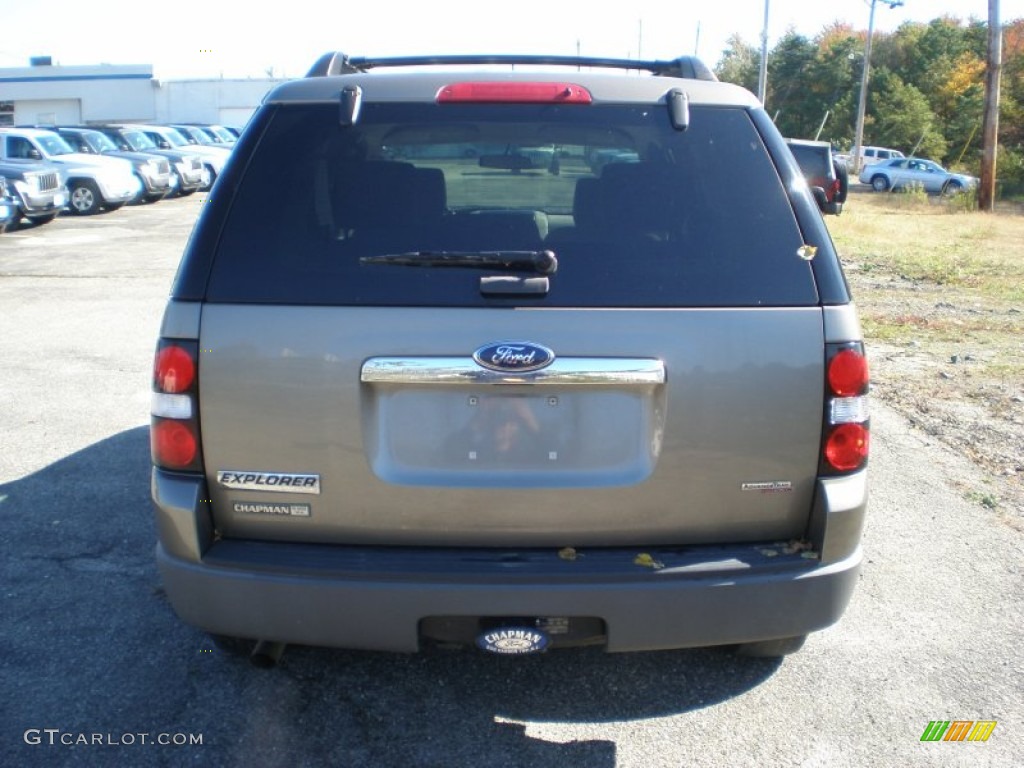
[462,383]
[823,171]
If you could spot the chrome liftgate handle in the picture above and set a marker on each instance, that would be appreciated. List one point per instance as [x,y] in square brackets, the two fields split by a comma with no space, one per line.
[464,370]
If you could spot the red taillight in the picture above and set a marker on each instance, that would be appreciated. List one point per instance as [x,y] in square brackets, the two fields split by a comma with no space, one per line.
[174,443]
[847,447]
[848,373]
[846,432]
[174,430]
[174,370]
[513,93]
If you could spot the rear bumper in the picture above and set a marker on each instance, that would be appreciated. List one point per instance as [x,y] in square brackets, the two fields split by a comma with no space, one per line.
[375,598]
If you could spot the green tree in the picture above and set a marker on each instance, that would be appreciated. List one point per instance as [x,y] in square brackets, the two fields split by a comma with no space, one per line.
[944,60]
[935,52]
[1010,168]
[1011,123]
[959,103]
[739,64]
[927,85]
[904,118]
[834,81]
[790,68]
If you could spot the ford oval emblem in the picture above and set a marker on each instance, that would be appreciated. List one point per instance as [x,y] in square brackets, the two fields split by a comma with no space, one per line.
[514,356]
[513,641]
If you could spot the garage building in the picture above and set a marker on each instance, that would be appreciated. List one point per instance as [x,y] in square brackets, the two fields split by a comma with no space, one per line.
[44,94]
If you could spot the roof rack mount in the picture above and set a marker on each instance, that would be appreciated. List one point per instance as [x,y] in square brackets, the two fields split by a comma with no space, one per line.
[338,63]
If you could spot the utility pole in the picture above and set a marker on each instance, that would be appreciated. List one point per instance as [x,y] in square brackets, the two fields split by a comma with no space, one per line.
[762,78]
[990,126]
[862,102]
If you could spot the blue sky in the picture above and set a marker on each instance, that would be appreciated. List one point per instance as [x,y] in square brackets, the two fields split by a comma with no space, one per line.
[193,38]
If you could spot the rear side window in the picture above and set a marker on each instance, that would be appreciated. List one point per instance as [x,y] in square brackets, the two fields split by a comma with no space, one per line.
[638,214]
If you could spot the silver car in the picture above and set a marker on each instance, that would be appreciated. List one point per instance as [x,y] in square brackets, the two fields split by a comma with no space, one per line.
[903,173]
[458,384]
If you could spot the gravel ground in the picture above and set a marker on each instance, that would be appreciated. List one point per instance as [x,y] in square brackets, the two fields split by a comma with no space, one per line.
[954,368]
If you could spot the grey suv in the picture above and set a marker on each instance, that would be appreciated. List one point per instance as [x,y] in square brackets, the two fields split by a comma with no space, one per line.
[36,188]
[461,384]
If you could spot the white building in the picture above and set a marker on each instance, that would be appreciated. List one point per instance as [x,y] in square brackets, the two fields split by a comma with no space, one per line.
[57,95]
[225,102]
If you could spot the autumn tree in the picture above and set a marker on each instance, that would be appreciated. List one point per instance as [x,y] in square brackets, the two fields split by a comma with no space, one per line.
[926,90]
[1011,121]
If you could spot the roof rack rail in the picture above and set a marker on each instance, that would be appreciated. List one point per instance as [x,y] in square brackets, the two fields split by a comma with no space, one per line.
[338,63]
[332,63]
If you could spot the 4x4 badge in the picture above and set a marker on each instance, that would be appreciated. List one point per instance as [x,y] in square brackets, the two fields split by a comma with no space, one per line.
[514,356]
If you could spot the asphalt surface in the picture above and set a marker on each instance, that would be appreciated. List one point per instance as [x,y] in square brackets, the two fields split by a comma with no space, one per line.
[91,653]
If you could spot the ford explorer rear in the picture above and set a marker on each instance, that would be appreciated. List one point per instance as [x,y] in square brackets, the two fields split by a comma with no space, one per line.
[463,383]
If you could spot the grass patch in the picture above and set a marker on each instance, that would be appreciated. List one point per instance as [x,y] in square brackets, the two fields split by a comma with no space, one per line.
[979,252]
[962,201]
[940,290]
[987,500]
[911,196]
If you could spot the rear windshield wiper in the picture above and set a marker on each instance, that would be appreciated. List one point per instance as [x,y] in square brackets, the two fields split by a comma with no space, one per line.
[542,262]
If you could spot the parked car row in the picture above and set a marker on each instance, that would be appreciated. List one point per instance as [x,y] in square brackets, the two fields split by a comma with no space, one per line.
[86,169]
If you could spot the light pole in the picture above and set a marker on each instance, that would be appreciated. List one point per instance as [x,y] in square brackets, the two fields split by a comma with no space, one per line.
[862,102]
[762,77]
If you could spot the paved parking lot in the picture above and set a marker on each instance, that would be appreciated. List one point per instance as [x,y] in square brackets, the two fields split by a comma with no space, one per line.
[96,669]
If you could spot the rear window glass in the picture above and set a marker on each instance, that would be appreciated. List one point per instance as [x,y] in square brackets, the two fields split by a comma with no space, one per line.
[813,161]
[637,213]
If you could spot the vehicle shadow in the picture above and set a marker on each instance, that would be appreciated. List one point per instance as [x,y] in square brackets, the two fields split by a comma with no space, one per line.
[91,645]
[25,225]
